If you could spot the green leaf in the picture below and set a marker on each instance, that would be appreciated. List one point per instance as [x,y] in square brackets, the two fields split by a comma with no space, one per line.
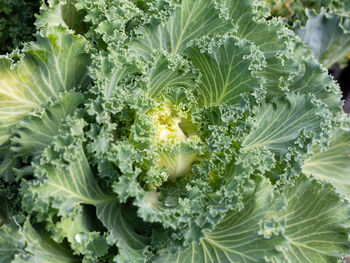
[117,75]
[239,237]
[41,248]
[265,34]
[53,64]
[328,36]
[10,240]
[317,223]
[289,65]
[80,230]
[178,160]
[7,166]
[277,125]
[169,72]
[67,181]
[333,165]
[70,184]
[130,244]
[271,37]
[311,228]
[323,25]
[228,70]
[190,20]
[35,133]
[61,13]
[315,79]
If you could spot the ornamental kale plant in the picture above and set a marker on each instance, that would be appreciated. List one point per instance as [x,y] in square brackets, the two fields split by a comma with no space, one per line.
[170,131]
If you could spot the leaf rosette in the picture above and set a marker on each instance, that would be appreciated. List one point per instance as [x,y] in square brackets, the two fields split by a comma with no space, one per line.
[177,131]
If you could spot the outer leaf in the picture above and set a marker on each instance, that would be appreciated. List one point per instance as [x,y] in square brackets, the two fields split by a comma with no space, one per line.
[328,35]
[246,14]
[72,184]
[317,223]
[110,214]
[7,167]
[272,39]
[227,70]
[278,124]
[334,164]
[69,185]
[314,79]
[191,20]
[322,24]
[282,50]
[79,229]
[53,64]
[36,132]
[116,76]
[237,238]
[131,245]
[10,242]
[40,248]
[61,12]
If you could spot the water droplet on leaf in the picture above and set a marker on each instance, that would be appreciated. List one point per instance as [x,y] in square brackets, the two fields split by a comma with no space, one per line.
[81,238]
[170,201]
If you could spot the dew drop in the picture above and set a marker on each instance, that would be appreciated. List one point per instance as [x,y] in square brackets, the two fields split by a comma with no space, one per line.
[77,238]
[81,238]
[170,201]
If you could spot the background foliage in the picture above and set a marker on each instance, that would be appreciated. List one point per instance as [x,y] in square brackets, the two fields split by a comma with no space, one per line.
[17,23]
